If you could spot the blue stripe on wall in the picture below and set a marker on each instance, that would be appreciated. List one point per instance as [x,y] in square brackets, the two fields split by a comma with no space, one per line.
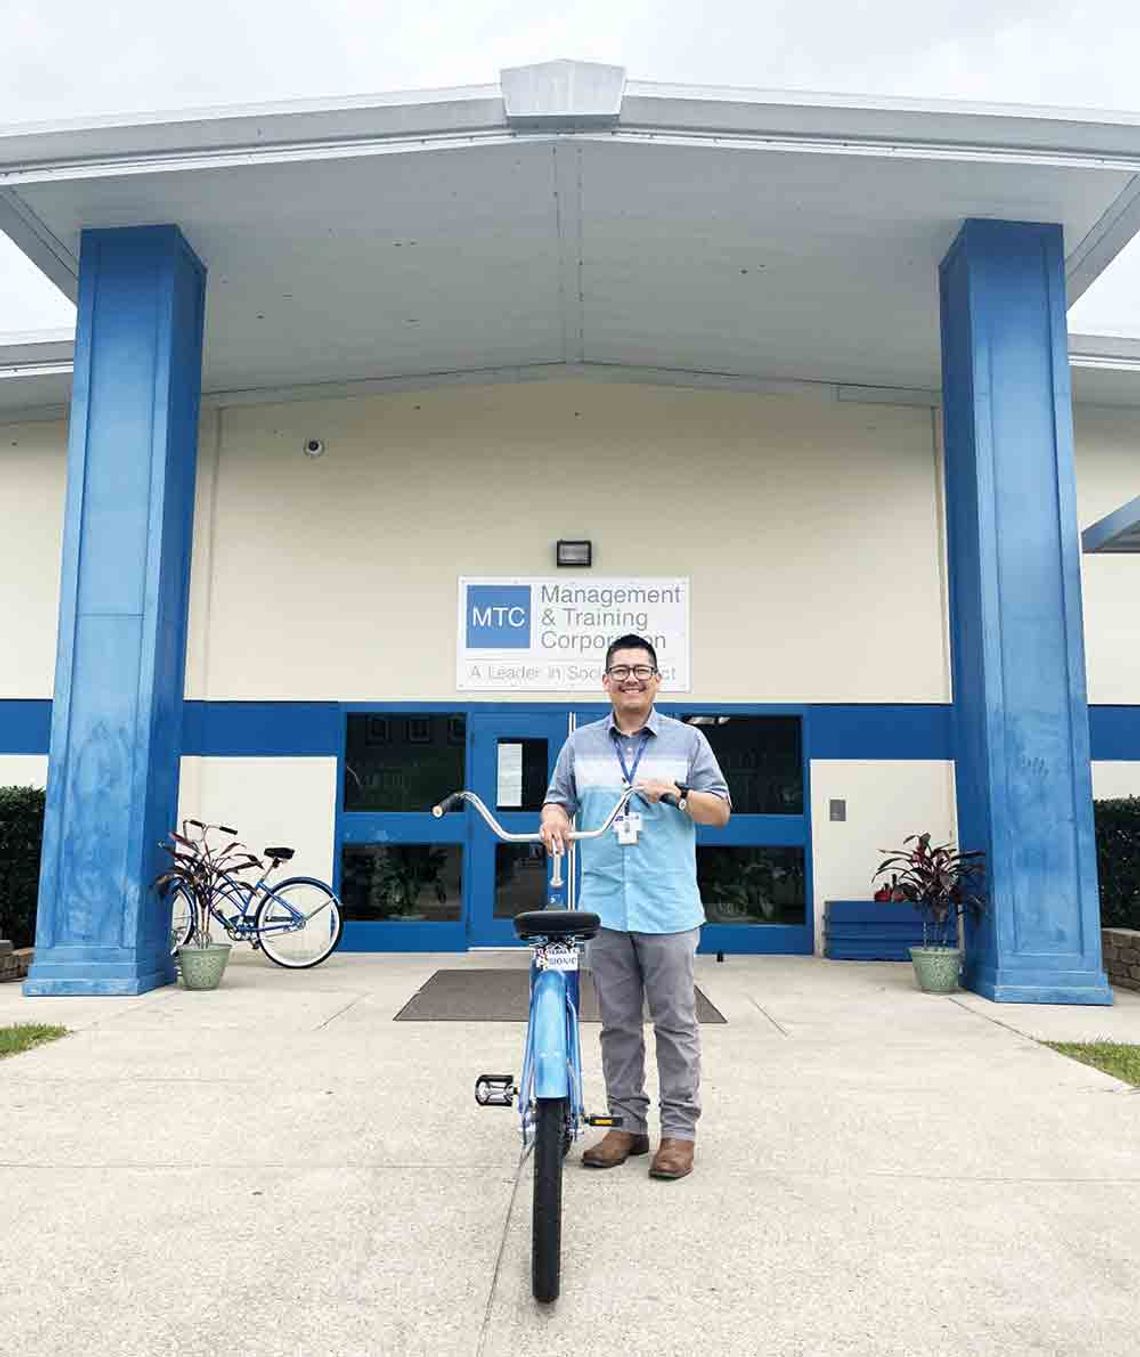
[1115,733]
[25,726]
[880,731]
[852,731]
[261,728]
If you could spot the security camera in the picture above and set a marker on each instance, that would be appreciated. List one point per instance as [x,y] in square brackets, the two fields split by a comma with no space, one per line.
[314,447]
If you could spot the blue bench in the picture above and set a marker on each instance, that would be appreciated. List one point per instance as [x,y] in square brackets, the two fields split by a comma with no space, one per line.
[870,930]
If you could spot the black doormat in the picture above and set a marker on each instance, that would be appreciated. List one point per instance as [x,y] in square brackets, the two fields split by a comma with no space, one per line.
[502,996]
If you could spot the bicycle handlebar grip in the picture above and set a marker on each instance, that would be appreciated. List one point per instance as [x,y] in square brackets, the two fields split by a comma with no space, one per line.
[448,803]
[226,829]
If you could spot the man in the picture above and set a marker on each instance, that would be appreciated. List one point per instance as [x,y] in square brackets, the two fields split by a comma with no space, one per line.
[641,879]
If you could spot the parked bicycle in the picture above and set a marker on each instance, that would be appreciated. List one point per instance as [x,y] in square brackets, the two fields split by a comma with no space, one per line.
[296,922]
[551,1109]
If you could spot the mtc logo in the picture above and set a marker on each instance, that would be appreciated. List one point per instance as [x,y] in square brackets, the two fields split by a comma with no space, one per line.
[498,617]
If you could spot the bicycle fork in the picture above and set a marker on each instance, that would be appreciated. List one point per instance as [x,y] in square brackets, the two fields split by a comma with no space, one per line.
[552,1061]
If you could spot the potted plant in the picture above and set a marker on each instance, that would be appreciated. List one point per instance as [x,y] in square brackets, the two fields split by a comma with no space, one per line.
[199,867]
[405,871]
[942,883]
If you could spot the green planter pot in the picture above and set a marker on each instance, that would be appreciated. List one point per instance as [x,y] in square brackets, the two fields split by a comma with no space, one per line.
[936,968]
[202,967]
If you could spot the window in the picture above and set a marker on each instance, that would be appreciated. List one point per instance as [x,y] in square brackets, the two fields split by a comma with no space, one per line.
[396,762]
[761,758]
[752,885]
[401,882]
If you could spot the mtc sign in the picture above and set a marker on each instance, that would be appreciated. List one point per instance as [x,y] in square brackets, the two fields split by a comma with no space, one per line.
[549,635]
[498,617]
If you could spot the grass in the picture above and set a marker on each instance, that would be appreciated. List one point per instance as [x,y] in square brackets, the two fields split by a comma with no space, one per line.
[1117,1058]
[24,1035]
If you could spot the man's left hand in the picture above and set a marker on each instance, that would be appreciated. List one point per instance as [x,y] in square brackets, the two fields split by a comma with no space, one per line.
[655,788]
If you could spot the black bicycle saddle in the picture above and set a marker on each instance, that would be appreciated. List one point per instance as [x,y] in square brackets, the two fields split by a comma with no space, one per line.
[279,854]
[557,923]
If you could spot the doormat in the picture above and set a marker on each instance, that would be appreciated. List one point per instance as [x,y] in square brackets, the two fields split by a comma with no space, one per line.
[502,996]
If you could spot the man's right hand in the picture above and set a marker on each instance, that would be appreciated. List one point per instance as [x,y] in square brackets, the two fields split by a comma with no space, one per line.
[554,828]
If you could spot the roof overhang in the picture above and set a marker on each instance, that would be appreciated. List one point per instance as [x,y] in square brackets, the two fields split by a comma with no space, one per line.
[1117,534]
[570,219]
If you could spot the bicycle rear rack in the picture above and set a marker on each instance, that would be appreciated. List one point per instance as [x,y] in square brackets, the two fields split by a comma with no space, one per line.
[496,1090]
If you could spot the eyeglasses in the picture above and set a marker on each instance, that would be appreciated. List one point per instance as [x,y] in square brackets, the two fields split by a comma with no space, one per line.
[623,671]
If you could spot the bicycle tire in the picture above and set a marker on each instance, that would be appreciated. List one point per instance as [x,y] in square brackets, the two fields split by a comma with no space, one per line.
[272,940]
[181,917]
[546,1220]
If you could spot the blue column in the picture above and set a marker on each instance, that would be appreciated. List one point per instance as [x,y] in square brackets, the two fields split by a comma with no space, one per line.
[117,708]
[1021,714]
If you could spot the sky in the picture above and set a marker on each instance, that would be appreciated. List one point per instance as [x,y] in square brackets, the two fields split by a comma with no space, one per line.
[75,60]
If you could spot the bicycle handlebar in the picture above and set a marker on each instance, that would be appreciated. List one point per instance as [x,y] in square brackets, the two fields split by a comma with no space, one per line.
[457,798]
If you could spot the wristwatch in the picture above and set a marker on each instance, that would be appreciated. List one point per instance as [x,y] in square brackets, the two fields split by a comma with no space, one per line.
[683,799]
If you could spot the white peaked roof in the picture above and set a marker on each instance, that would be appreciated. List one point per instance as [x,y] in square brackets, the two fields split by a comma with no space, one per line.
[569,220]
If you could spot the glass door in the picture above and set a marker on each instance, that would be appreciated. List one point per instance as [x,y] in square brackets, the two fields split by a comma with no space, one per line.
[754,875]
[513,753]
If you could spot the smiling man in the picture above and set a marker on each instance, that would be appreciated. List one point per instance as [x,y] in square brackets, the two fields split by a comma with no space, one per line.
[641,879]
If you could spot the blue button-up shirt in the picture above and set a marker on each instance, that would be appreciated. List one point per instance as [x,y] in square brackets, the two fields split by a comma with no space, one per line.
[649,886]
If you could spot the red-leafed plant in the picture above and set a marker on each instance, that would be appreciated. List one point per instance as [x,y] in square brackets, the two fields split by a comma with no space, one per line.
[939,880]
[201,867]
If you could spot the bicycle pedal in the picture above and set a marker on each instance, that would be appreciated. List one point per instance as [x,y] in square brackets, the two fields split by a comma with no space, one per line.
[495,1090]
[602,1121]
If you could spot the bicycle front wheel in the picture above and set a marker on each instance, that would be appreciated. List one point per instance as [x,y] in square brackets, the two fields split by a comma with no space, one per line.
[299,923]
[546,1222]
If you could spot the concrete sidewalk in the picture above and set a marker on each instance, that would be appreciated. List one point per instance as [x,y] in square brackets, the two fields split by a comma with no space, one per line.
[278,1168]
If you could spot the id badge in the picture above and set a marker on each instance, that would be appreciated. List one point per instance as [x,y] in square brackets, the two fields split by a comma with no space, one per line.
[627,829]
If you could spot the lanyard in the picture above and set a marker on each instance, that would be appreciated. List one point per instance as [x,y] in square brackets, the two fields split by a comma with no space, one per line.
[629,773]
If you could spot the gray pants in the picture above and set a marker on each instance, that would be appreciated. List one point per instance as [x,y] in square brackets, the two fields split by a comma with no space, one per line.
[630,967]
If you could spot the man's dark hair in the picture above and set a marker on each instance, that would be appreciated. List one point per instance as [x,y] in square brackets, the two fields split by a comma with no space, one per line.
[630,642]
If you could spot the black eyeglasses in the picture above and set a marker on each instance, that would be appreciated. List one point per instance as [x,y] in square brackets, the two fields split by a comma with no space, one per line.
[623,671]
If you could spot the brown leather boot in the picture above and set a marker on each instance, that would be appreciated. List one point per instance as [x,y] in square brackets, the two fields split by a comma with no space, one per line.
[614,1148]
[674,1158]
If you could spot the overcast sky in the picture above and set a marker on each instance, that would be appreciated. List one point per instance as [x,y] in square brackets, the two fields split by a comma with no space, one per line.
[74,59]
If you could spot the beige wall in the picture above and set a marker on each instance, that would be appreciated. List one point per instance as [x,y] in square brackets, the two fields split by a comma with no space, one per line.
[23,770]
[288,801]
[1118,778]
[886,800]
[33,460]
[811,527]
[810,530]
[1108,476]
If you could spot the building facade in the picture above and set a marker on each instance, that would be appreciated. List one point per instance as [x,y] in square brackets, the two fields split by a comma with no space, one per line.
[885,628]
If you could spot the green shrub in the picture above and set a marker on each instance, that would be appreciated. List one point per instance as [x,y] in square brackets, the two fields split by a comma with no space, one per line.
[21,833]
[1118,861]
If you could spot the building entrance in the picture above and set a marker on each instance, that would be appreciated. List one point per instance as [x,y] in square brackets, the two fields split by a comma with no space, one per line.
[409,882]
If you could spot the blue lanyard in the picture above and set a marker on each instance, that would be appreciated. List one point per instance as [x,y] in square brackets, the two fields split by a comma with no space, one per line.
[629,773]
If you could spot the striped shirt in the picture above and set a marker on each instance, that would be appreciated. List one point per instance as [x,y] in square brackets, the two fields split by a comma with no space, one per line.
[649,886]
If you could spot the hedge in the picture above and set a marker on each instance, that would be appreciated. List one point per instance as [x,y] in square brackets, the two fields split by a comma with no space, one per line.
[21,830]
[1118,861]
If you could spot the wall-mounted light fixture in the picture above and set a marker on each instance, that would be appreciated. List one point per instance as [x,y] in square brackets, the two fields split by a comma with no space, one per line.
[577,553]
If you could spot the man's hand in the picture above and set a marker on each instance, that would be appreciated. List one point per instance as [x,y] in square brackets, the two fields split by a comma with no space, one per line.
[554,828]
[654,788]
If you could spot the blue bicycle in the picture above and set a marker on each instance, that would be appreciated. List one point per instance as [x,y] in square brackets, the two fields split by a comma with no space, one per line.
[551,1109]
[296,922]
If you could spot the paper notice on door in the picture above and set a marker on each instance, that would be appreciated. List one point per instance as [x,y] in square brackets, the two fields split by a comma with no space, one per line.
[510,787]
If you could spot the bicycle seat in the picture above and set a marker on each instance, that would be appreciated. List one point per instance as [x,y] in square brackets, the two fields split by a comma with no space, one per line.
[557,923]
[279,854]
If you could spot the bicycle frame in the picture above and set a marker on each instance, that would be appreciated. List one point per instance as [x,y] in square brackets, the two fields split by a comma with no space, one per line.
[552,1056]
[246,897]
